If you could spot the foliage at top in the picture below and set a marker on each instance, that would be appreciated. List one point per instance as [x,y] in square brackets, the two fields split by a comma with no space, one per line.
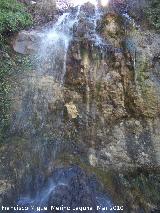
[153,13]
[13,16]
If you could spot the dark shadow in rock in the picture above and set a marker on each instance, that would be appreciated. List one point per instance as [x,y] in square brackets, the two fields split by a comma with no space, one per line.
[69,187]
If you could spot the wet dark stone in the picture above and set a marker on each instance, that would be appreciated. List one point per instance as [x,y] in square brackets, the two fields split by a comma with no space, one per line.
[69,187]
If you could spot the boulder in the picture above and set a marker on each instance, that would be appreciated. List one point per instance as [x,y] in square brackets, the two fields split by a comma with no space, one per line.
[26,42]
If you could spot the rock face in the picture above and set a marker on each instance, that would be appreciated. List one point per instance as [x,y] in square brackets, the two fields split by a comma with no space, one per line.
[5,190]
[26,42]
[72,110]
[71,188]
[120,91]
[111,96]
[42,11]
[112,88]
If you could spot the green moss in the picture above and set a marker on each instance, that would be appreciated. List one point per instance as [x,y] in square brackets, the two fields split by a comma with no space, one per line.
[83,52]
[141,70]
[98,86]
[144,187]
[10,66]
[146,87]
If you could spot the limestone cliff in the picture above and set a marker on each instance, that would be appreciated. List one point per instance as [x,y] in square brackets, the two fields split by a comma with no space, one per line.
[100,109]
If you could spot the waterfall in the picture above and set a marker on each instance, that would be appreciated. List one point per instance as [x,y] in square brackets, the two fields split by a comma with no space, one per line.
[55,41]
[53,51]
[54,45]
[68,188]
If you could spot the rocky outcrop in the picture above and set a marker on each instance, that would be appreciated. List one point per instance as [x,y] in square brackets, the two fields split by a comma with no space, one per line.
[110,88]
[26,42]
[72,110]
[105,115]
[5,190]
[78,191]
[43,11]
[144,47]
[121,88]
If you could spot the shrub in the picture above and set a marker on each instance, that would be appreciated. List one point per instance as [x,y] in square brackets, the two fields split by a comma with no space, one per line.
[13,16]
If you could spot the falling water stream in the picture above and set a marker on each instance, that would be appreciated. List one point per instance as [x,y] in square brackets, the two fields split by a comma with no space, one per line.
[55,41]
[72,138]
[60,188]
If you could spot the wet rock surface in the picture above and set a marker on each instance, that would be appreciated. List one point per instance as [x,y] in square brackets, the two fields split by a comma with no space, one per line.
[26,42]
[70,188]
[105,114]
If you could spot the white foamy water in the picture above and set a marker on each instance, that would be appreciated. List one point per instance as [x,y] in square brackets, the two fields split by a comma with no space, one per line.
[54,45]
[55,40]
[62,3]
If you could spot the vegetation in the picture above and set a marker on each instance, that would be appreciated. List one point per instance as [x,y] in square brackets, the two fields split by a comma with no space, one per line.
[10,67]
[4,90]
[13,16]
[153,12]
[143,185]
